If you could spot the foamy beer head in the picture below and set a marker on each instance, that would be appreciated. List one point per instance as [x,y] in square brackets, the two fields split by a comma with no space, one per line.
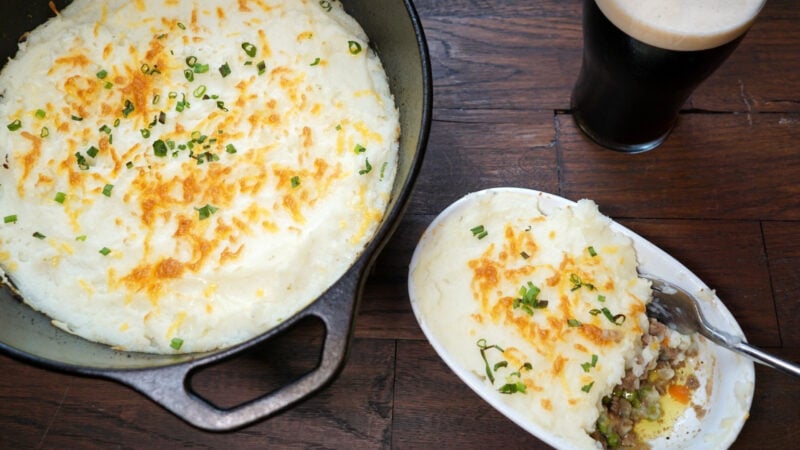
[682,25]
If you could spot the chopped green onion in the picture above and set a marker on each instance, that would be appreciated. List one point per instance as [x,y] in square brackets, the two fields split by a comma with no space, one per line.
[206,211]
[15,125]
[156,98]
[574,323]
[76,118]
[191,61]
[262,67]
[225,70]
[479,232]
[45,132]
[513,388]
[367,168]
[383,169]
[117,122]
[105,129]
[601,298]
[60,197]
[199,91]
[128,108]
[129,164]
[145,133]
[102,74]
[181,26]
[38,235]
[108,85]
[354,47]
[315,63]
[528,299]
[483,346]
[92,151]
[176,343]
[295,181]
[592,252]
[188,74]
[577,283]
[80,238]
[107,190]
[105,251]
[359,148]
[200,68]
[230,148]
[587,366]
[587,387]
[172,94]
[326,5]
[160,148]
[221,105]
[82,164]
[10,219]
[250,49]
[40,113]
[524,255]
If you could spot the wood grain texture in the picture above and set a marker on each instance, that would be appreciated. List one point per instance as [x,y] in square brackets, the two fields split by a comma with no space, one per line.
[722,195]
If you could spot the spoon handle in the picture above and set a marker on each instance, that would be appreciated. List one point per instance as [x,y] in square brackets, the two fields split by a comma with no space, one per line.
[767,359]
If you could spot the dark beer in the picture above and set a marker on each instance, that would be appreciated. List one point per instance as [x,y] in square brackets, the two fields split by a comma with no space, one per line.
[628,93]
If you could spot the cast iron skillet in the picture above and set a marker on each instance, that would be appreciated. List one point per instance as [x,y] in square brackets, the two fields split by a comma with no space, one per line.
[396,34]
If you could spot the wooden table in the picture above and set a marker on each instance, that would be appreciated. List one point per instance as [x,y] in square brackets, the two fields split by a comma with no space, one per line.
[722,195]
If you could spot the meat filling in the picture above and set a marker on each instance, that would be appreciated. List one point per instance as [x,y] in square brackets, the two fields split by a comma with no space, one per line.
[638,398]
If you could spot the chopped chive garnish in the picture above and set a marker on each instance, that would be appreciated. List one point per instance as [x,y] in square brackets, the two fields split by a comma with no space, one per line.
[315,63]
[295,181]
[359,148]
[587,387]
[108,85]
[200,68]
[262,67]
[574,323]
[230,148]
[249,49]
[45,132]
[354,47]
[105,251]
[524,255]
[601,298]
[221,105]
[367,168]
[206,211]
[176,343]
[383,169]
[60,197]
[483,346]
[479,232]
[102,74]
[116,122]
[181,26]
[225,70]
[128,108]
[40,113]
[76,118]
[592,252]
[156,98]
[188,74]
[38,235]
[92,151]
[191,61]
[10,219]
[199,91]
[105,129]
[129,164]
[528,299]
[107,190]
[160,148]
[15,125]
[145,133]
[80,238]
[326,5]
[82,164]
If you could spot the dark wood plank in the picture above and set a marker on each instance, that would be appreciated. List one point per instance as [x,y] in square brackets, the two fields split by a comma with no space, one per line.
[713,166]
[474,150]
[783,250]
[434,409]
[64,411]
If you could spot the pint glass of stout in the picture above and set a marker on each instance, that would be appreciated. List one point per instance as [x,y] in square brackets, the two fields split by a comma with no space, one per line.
[643,58]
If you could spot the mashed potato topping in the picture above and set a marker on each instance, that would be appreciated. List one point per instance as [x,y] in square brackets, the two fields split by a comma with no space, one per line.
[548,310]
[182,175]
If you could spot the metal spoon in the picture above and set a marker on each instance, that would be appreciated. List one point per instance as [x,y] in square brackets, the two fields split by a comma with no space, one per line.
[676,308]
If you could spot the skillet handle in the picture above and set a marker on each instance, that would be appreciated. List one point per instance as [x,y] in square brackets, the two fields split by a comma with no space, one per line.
[169,386]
